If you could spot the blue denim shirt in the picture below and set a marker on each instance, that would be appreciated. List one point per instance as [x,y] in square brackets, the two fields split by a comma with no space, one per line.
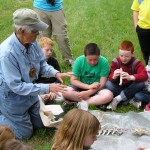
[16,63]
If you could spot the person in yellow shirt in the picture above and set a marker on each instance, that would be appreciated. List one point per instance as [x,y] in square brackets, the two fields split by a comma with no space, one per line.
[141,18]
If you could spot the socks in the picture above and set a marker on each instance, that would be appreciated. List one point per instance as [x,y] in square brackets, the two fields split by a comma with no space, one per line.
[118,98]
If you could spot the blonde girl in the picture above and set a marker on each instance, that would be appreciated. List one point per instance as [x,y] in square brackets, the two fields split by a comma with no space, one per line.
[77,131]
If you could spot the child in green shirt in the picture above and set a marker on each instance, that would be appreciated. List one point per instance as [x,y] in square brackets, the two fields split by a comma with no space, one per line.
[90,75]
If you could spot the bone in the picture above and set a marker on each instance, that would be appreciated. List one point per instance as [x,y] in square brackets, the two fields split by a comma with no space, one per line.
[120,83]
[111,130]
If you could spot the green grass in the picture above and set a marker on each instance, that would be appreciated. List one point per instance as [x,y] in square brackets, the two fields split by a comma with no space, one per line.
[104,22]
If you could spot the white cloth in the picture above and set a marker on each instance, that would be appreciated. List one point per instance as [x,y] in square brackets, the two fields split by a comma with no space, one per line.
[48,112]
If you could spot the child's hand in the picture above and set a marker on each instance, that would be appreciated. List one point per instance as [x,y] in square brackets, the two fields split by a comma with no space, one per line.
[45,97]
[52,96]
[83,95]
[117,73]
[95,85]
[126,76]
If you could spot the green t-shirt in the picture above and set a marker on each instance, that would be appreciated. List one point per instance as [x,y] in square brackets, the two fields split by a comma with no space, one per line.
[89,74]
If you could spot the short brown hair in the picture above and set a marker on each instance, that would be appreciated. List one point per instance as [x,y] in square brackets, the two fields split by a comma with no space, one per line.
[126,46]
[91,49]
[45,40]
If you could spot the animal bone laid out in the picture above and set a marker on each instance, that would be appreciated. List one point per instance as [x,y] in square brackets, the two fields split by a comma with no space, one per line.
[140,131]
[101,116]
[110,130]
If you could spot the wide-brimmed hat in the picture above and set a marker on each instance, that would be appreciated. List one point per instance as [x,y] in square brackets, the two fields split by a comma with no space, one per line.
[25,16]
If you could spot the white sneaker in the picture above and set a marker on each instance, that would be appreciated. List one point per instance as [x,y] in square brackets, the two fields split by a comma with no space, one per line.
[83,105]
[59,97]
[113,104]
[135,104]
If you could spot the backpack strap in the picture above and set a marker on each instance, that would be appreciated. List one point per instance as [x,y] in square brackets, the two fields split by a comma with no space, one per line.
[133,64]
[116,62]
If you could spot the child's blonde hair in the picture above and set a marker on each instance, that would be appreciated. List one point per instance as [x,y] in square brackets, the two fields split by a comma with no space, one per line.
[16,145]
[126,46]
[76,125]
[6,133]
[45,40]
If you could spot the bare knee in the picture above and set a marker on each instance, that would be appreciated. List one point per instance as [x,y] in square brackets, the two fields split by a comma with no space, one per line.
[107,94]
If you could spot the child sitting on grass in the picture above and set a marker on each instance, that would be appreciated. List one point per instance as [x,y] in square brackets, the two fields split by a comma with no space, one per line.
[144,95]
[127,75]
[47,47]
[90,75]
[77,131]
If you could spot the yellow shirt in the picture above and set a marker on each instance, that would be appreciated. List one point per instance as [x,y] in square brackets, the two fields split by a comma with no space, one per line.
[144,12]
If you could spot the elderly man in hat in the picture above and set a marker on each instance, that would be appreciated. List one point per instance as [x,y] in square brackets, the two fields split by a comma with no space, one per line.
[21,60]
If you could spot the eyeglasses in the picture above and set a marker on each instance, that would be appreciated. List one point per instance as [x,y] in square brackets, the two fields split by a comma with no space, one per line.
[35,32]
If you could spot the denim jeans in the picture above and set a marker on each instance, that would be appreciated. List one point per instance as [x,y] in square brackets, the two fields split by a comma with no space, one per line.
[126,92]
[21,113]
[143,96]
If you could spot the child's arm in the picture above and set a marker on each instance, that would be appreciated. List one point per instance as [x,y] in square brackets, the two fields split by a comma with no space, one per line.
[114,74]
[75,81]
[141,73]
[125,75]
[135,18]
[102,82]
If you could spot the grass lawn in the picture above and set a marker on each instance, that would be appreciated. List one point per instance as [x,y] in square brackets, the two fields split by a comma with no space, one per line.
[104,22]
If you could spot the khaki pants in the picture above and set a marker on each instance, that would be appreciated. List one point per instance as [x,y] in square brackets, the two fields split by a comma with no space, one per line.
[58,28]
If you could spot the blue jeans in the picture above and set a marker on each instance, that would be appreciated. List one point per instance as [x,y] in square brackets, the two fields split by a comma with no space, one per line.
[126,92]
[143,96]
[21,113]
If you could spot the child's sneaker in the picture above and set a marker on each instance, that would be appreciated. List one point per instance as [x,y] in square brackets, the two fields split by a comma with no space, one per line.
[59,97]
[147,108]
[113,104]
[135,103]
[83,105]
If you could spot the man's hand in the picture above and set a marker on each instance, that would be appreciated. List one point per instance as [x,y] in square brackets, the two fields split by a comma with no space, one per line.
[57,87]
[49,96]
[59,75]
